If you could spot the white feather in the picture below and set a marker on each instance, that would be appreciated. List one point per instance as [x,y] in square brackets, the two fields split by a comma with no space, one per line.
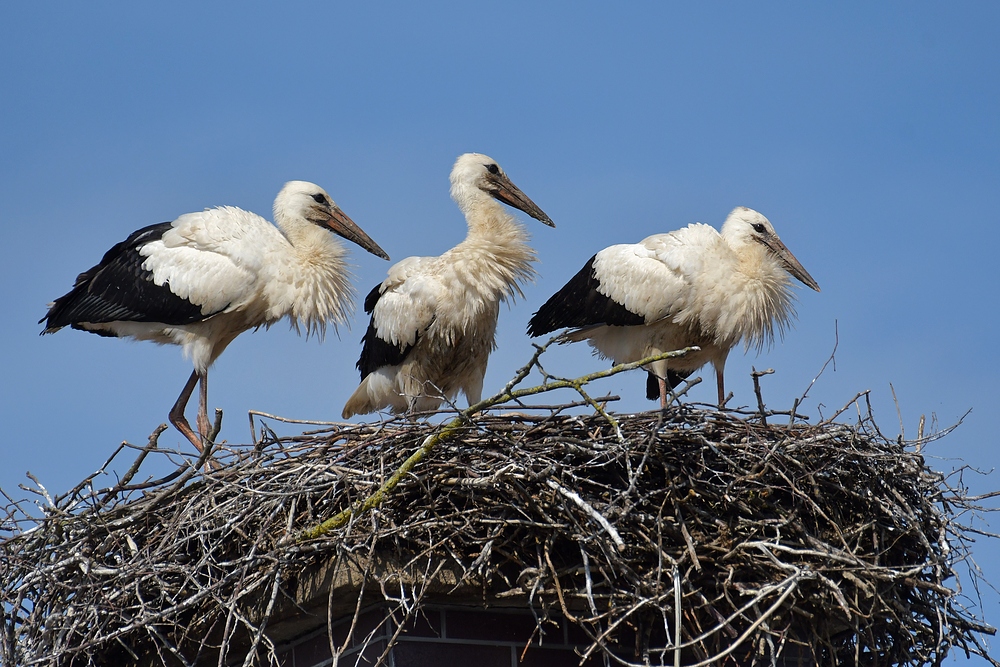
[446,307]
[696,287]
[242,272]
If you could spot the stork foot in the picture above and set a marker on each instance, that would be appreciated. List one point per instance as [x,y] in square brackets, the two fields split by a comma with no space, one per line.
[177,417]
[180,422]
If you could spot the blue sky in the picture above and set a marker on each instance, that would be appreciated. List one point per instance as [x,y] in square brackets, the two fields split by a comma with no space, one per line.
[867,133]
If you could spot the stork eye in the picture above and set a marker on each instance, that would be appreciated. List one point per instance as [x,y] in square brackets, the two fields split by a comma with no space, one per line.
[493,169]
[757,227]
[320,198]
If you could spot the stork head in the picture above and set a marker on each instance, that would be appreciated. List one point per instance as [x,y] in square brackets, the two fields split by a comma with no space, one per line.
[475,174]
[309,202]
[745,226]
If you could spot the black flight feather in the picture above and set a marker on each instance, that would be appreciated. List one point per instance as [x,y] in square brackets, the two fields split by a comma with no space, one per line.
[377,353]
[119,289]
[579,304]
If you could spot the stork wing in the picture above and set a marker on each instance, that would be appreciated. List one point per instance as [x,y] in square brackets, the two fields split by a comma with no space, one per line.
[212,258]
[580,304]
[656,277]
[402,308]
[629,284]
[121,289]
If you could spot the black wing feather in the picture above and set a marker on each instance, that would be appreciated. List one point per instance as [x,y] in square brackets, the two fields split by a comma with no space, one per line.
[579,304]
[118,289]
[377,352]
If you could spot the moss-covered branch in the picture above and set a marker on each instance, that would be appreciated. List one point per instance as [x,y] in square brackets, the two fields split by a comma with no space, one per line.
[449,429]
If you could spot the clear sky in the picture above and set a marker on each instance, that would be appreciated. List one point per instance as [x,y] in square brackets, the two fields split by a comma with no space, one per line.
[868,134]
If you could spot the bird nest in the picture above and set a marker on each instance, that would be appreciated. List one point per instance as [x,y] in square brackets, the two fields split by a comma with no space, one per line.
[688,534]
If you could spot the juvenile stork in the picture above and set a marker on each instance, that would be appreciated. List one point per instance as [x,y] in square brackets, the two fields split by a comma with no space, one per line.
[693,286]
[206,277]
[434,319]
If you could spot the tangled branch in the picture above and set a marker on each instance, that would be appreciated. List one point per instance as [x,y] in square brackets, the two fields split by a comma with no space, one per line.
[679,536]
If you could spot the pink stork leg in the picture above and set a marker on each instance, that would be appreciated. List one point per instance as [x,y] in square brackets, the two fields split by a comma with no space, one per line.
[177,417]
[663,392]
[720,369]
[204,427]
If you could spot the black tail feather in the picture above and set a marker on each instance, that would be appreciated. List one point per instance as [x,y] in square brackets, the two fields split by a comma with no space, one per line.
[674,378]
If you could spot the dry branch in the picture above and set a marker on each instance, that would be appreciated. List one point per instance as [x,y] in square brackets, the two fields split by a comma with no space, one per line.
[683,536]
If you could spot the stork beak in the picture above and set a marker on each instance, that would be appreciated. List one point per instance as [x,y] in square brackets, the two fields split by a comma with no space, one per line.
[344,226]
[511,195]
[791,264]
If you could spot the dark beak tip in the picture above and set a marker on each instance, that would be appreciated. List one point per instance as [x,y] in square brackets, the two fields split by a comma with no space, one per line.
[811,284]
[539,215]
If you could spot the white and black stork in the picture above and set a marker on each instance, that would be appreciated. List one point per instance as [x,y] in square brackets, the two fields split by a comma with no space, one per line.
[204,278]
[434,319]
[691,287]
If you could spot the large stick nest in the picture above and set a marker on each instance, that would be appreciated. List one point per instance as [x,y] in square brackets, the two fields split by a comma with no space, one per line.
[829,537]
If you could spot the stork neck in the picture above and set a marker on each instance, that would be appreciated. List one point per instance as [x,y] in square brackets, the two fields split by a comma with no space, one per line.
[489,221]
[763,304]
[310,283]
[300,232]
[495,257]
[756,263]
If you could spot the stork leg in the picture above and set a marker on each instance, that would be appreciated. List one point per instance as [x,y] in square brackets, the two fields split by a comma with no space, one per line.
[663,392]
[722,388]
[204,428]
[177,417]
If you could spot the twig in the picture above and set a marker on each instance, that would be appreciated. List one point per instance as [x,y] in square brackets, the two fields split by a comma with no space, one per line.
[591,512]
[831,359]
[287,420]
[756,375]
[866,543]
[452,427]
[127,477]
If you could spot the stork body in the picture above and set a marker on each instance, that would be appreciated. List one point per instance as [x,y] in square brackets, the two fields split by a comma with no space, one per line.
[206,277]
[433,319]
[691,287]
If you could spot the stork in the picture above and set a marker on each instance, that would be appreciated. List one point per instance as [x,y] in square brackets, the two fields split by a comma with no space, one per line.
[206,277]
[433,319]
[691,287]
